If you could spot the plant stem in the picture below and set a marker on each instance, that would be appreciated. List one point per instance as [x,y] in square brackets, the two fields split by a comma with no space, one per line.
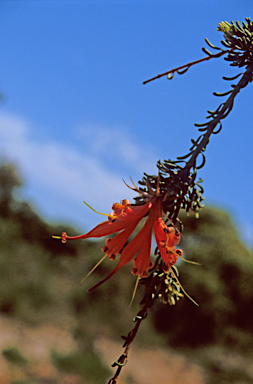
[186,66]
[142,314]
[225,110]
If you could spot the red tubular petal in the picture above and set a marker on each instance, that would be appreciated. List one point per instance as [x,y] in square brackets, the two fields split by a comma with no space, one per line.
[168,256]
[142,261]
[125,257]
[117,243]
[166,240]
[162,231]
[121,222]
[176,238]
[141,240]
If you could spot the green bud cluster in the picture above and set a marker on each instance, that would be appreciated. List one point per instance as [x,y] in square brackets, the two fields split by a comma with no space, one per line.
[239,39]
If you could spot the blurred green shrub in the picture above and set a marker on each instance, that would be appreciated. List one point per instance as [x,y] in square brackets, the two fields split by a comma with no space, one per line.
[221,285]
[14,356]
[83,361]
[26,253]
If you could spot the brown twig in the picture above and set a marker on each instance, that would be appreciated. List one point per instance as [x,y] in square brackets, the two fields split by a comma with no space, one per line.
[148,301]
[122,360]
[223,112]
[186,66]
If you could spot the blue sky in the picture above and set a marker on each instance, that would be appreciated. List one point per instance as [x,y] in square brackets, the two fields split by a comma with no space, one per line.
[76,118]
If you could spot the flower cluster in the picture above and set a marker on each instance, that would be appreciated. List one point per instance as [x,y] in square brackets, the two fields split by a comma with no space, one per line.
[123,221]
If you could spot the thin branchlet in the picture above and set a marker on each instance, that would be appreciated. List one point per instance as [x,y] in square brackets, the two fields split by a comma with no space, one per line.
[183,68]
[178,178]
[160,285]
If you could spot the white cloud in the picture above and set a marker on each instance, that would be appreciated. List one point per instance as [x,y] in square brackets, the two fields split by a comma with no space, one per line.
[63,171]
[120,143]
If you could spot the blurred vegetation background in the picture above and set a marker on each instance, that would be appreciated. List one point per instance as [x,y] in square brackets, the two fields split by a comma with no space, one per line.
[40,286]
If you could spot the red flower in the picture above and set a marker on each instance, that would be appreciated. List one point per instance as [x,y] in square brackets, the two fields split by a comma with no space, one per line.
[124,219]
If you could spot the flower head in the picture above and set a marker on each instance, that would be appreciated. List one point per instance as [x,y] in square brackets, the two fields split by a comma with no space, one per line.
[123,220]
